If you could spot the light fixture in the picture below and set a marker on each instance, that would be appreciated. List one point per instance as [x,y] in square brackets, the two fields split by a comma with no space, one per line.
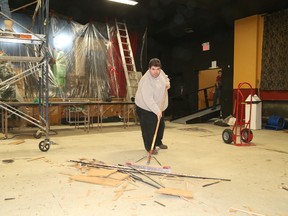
[62,41]
[128,2]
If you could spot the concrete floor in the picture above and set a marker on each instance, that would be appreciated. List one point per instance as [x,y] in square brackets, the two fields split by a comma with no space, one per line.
[40,187]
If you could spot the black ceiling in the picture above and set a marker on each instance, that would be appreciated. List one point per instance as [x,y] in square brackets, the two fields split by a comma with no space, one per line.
[163,16]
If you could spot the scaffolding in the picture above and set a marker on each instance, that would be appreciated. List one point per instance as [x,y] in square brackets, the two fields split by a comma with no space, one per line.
[37,64]
[79,62]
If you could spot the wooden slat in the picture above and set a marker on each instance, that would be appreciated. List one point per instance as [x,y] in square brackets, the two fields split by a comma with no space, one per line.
[100,172]
[96,180]
[175,192]
[16,142]
[119,176]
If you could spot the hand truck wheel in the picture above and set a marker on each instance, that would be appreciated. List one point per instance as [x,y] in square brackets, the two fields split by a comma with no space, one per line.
[44,145]
[246,135]
[38,134]
[227,136]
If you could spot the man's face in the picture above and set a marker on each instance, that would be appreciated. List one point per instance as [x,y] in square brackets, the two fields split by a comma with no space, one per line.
[154,71]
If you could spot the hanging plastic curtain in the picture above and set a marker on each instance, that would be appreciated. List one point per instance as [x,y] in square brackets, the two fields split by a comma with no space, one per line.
[80,60]
[84,61]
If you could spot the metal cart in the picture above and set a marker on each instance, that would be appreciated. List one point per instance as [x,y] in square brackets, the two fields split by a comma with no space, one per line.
[241,128]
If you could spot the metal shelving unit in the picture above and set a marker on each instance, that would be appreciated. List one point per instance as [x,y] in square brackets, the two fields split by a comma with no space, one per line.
[38,64]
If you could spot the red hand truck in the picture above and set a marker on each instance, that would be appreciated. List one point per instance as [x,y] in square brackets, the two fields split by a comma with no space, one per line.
[241,128]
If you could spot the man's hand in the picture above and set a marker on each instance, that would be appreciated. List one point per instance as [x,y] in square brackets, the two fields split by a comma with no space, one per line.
[167,82]
[159,115]
[168,85]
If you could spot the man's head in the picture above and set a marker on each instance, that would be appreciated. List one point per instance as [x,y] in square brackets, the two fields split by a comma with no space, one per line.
[220,72]
[154,67]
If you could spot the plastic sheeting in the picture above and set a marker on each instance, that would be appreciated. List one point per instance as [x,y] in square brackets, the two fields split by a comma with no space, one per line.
[84,61]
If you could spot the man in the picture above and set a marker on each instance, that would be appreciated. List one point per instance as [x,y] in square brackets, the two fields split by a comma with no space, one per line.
[149,99]
[218,87]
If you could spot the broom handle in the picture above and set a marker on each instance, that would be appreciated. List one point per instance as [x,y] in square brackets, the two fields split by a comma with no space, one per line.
[157,127]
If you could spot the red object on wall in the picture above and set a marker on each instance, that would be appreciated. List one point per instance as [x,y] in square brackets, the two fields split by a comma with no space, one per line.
[264,95]
[274,95]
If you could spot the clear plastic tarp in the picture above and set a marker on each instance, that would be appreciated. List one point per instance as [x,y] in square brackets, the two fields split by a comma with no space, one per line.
[84,61]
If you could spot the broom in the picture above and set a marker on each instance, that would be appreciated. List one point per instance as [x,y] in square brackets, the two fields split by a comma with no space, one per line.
[157,127]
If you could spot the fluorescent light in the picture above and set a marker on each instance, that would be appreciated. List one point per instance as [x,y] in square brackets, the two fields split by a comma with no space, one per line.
[128,2]
[62,41]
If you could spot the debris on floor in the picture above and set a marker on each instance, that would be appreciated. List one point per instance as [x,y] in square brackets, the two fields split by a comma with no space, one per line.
[100,172]
[16,142]
[221,122]
[206,185]
[10,198]
[159,203]
[175,192]
[244,211]
[118,193]
[195,129]
[96,180]
[285,187]
[96,172]
[36,158]
[6,161]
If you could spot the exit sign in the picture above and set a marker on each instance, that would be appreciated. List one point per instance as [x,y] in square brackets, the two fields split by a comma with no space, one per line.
[205,46]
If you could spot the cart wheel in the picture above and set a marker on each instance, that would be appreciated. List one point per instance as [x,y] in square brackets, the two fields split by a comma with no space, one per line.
[246,135]
[227,136]
[44,145]
[37,134]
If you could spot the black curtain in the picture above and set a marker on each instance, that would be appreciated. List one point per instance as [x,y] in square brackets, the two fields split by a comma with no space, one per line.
[274,74]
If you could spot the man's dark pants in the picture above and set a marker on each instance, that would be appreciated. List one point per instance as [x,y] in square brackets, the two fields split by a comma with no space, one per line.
[148,123]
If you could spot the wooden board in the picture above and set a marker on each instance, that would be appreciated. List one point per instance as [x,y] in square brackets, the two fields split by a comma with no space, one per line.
[35,158]
[175,192]
[96,180]
[100,172]
[119,176]
[16,142]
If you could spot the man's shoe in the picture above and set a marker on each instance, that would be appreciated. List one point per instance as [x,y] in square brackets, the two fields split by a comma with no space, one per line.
[154,152]
[162,146]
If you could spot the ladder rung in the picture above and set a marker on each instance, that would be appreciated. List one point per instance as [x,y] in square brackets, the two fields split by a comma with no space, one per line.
[127,57]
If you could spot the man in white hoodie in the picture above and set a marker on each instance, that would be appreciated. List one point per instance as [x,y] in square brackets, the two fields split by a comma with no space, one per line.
[149,99]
